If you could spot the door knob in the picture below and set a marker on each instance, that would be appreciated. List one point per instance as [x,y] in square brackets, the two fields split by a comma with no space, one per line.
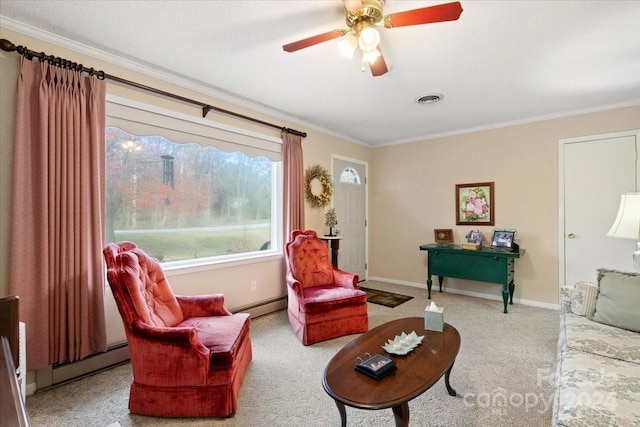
[571,236]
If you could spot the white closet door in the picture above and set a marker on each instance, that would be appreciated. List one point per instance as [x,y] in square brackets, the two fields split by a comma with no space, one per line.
[595,171]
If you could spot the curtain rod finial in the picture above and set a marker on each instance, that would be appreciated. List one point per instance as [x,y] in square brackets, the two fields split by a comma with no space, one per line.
[293,131]
[7,46]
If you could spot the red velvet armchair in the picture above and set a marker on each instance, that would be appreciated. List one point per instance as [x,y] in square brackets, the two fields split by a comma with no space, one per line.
[324,302]
[189,354]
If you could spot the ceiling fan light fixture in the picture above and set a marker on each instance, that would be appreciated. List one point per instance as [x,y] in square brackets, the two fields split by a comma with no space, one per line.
[369,39]
[363,16]
[348,45]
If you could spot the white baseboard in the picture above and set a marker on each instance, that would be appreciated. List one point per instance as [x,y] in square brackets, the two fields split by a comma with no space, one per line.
[493,297]
[30,388]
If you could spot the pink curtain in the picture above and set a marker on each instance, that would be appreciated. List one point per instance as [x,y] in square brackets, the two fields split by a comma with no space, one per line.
[293,194]
[57,217]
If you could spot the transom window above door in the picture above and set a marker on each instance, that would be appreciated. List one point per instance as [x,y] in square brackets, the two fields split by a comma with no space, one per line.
[350,176]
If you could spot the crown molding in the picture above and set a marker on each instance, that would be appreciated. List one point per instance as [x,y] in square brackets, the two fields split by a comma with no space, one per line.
[541,118]
[165,76]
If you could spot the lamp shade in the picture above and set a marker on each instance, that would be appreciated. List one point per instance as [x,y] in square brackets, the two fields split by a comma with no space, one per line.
[627,223]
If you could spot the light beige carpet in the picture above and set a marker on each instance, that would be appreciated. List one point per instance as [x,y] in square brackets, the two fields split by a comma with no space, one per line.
[503,375]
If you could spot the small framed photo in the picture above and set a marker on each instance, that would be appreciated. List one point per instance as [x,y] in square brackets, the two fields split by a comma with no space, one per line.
[443,235]
[474,204]
[503,238]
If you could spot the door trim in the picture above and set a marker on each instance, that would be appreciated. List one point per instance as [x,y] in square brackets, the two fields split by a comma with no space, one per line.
[562,143]
[335,157]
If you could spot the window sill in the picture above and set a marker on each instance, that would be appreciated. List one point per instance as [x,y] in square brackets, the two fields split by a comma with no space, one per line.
[194,266]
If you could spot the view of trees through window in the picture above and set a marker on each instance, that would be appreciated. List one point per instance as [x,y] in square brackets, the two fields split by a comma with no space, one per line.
[185,201]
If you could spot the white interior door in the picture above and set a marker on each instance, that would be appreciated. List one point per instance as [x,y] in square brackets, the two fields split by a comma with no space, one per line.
[349,201]
[595,171]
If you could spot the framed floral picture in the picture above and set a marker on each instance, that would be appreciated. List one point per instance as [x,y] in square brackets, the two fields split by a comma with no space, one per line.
[474,204]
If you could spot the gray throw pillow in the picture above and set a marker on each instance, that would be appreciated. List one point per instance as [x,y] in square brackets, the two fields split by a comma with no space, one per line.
[618,301]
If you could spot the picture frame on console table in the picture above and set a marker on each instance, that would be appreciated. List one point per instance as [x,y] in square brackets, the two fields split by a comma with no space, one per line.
[475,204]
[443,235]
[502,238]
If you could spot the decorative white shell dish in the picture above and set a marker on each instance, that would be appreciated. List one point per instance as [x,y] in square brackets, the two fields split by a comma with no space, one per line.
[402,344]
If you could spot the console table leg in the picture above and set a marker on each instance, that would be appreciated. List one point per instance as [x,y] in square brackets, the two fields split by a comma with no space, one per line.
[401,414]
[429,283]
[505,297]
[343,413]
[440,280]
[512,287]
[450,390]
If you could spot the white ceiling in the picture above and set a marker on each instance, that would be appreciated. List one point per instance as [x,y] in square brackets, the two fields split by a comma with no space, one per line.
[502,62]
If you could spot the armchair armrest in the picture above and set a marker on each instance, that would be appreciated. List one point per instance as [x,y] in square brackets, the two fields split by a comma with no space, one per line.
[202,305]
[345,279]
[156,348]
[184,336]
[294,284]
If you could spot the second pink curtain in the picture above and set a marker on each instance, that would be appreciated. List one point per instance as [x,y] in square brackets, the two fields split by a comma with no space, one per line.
[293,194]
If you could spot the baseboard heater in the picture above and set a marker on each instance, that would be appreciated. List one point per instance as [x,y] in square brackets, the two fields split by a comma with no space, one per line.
[263,307]
[64,372]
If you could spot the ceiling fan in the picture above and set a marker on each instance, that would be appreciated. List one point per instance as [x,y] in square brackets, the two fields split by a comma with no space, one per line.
[362,16]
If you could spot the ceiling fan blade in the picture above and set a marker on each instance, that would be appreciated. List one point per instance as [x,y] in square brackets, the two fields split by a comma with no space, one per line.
[425,15]
[379,66]
[310,41]
[352,4]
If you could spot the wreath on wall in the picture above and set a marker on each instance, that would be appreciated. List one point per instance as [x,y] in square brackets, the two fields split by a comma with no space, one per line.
[321,174]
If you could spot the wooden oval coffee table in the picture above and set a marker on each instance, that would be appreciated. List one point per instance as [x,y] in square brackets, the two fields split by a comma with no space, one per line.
[416,373]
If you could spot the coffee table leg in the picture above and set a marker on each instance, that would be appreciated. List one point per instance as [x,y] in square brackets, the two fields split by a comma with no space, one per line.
[401,414]
[450,390]
[343,413]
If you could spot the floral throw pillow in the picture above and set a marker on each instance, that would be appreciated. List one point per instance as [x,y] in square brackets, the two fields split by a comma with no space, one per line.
[583,298]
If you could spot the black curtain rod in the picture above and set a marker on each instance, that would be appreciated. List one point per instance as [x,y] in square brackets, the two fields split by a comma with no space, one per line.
[7,46]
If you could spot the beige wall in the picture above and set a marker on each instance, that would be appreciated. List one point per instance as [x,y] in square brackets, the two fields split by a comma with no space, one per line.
[411,188]
[232,280]
[412,192]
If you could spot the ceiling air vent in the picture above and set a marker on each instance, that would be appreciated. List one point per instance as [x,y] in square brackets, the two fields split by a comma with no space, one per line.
[431,98]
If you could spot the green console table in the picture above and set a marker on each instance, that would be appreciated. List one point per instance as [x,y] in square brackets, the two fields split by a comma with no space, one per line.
[484,265]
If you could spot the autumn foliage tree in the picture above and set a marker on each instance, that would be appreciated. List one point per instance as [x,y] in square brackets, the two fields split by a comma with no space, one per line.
[210,187]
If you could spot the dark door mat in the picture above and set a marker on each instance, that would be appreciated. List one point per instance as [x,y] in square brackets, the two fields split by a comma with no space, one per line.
[388,299]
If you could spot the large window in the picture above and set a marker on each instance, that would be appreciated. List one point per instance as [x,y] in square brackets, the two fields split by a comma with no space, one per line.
[185,195]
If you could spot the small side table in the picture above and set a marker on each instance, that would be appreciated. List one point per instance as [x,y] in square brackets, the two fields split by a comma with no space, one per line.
[334,244]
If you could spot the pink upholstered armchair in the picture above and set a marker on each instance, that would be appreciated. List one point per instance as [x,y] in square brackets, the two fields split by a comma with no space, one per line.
[324,302]
[188,353]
